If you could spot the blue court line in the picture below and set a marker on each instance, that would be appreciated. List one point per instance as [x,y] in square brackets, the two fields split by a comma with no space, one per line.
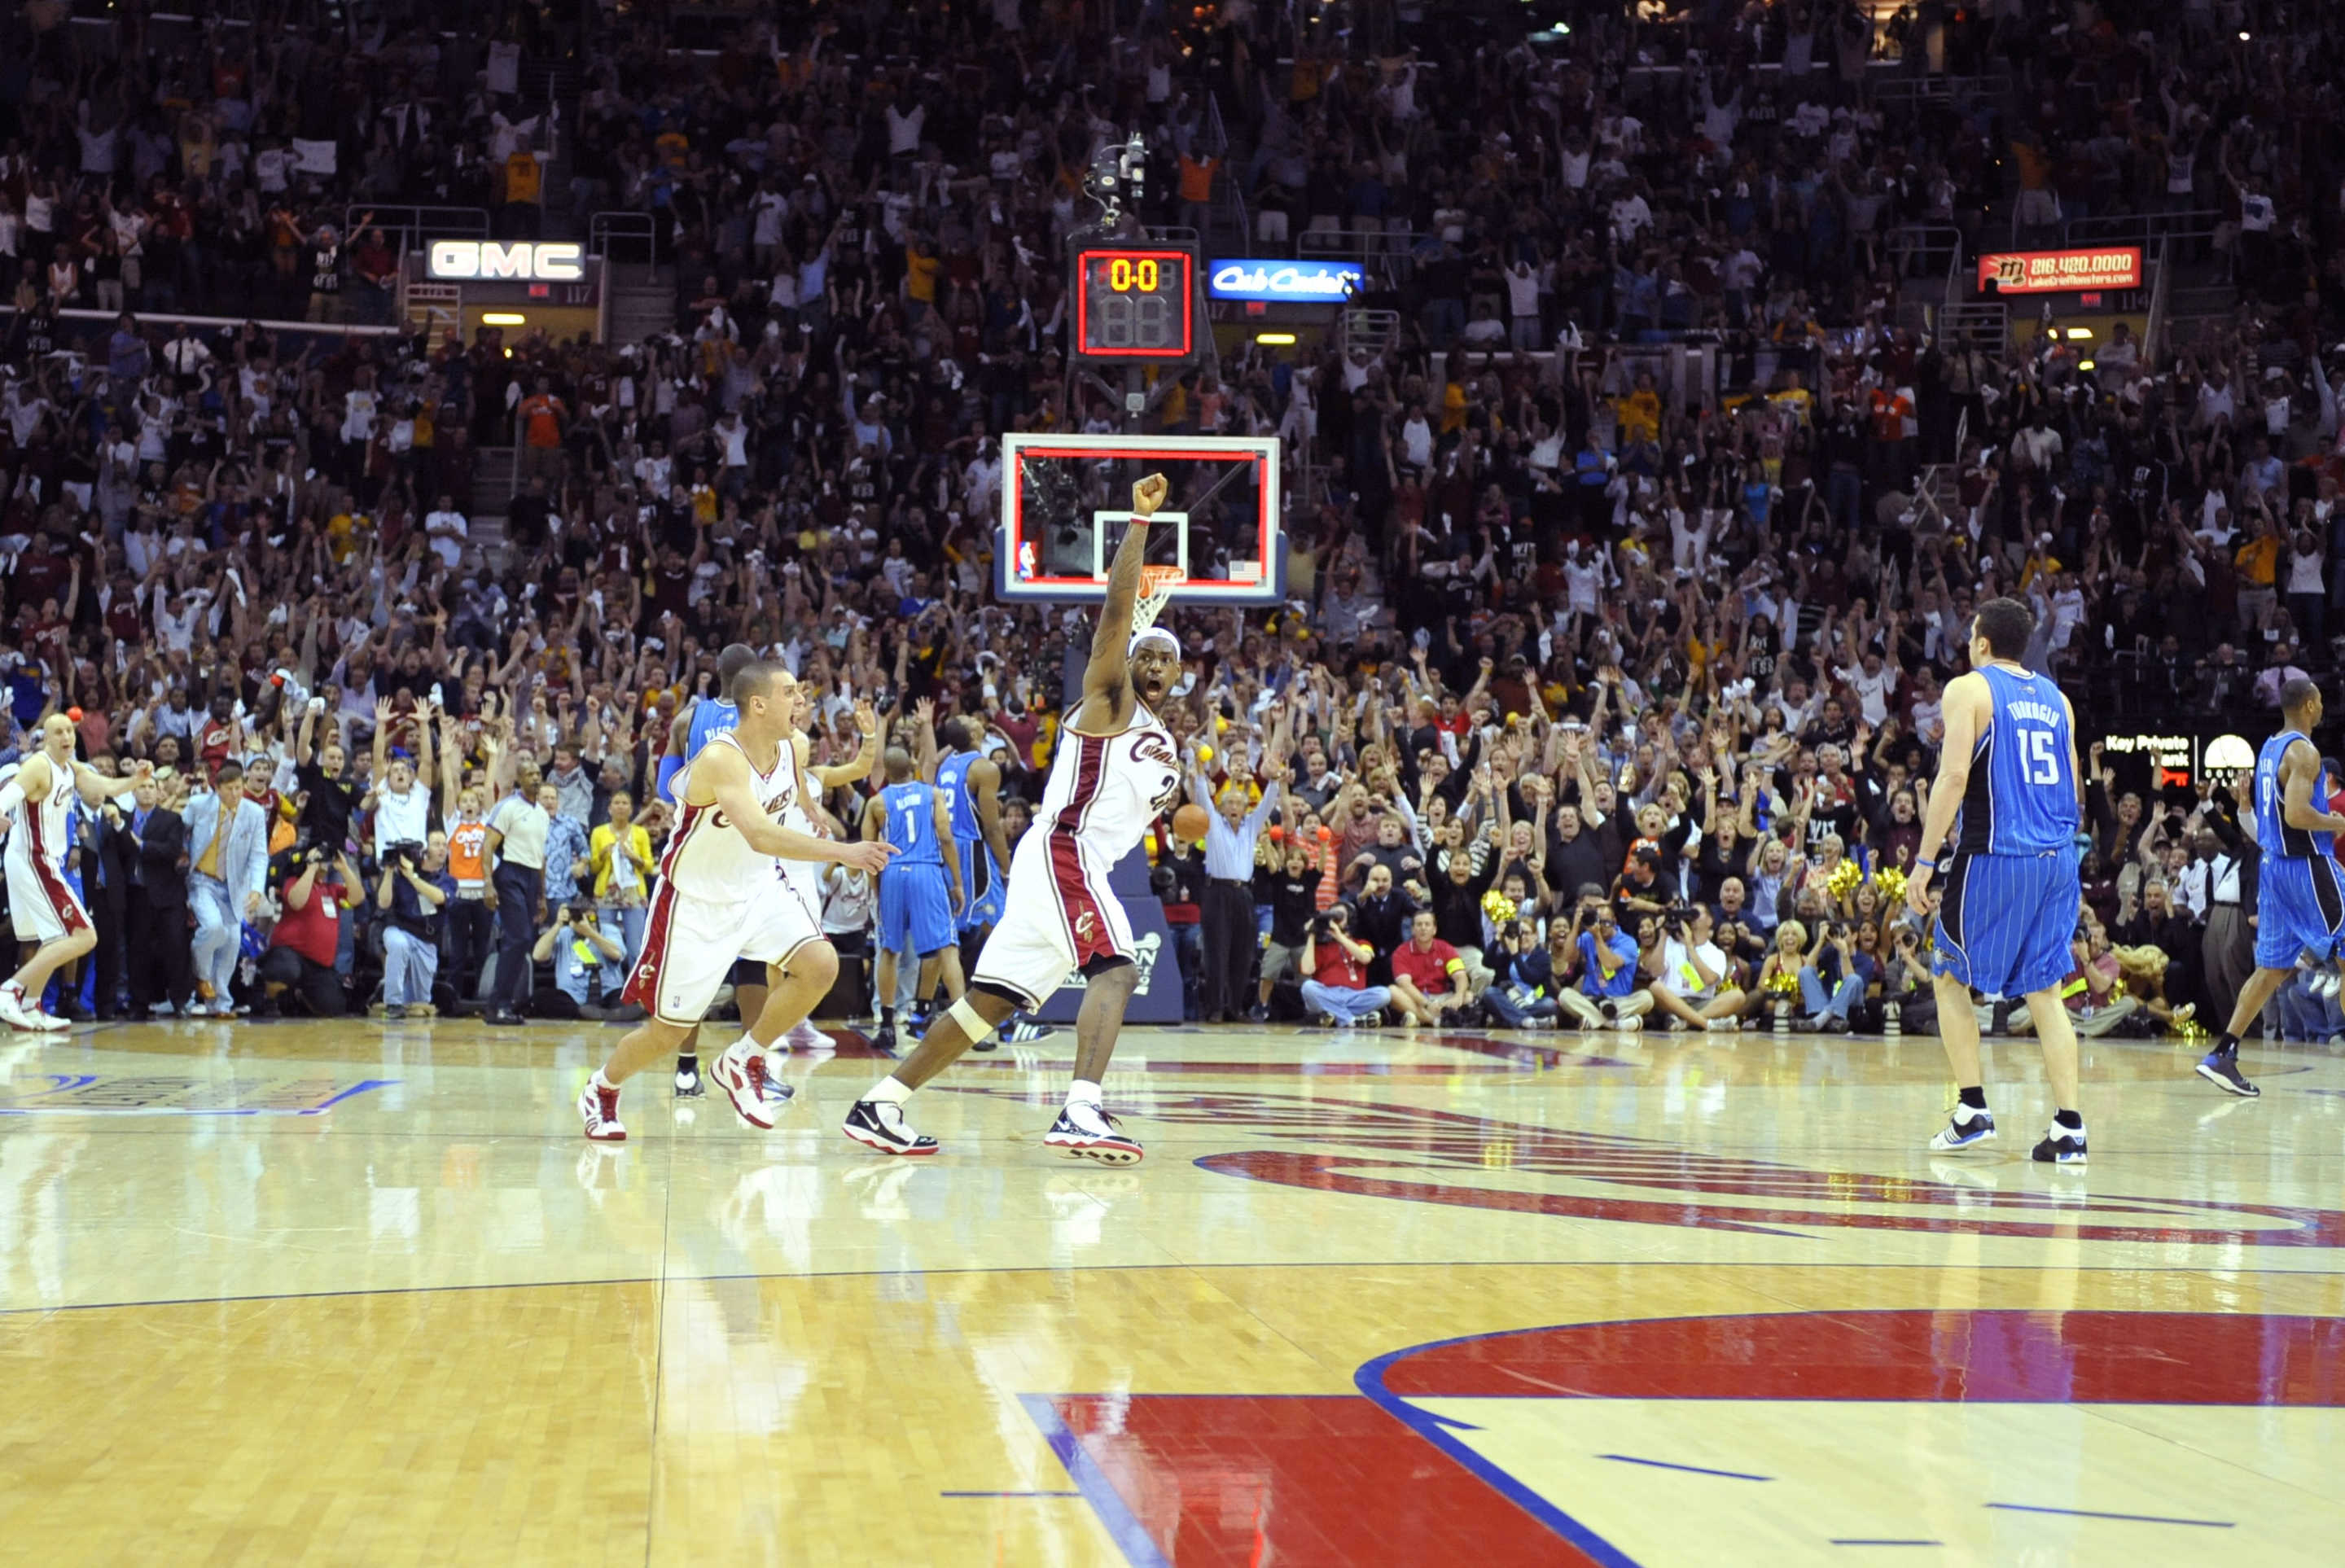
[357,1088]
[1688,1469]
[1370,1381]
[1108,1267]
[1130,1537]
[1009,1494]
[2134,1518]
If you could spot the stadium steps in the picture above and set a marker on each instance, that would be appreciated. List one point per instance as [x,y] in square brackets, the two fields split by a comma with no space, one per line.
[492,487]
[553,87]
[642,300]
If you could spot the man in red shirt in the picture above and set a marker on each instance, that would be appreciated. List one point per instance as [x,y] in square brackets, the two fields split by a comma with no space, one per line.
[215,736]
[1428,978]
[1338,989]
[305,949]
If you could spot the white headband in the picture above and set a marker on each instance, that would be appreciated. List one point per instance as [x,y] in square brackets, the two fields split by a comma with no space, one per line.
[1152,633]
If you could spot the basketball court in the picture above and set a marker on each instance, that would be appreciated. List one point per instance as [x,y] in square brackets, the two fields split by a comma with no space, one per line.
[361,1294]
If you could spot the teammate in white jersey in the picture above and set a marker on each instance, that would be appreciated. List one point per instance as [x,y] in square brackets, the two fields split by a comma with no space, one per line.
[35,803]
[807,815]
[722,895]
[1115,774]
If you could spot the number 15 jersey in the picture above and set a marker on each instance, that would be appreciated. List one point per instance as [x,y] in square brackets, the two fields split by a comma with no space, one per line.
[2022,794]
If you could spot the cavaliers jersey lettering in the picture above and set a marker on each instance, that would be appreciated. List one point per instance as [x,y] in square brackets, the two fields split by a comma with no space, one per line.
[1106,791]
[708,858]
[2022,795]
[2272,832]
[911,824]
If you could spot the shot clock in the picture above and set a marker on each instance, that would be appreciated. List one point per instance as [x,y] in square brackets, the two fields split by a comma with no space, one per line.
[1135,304]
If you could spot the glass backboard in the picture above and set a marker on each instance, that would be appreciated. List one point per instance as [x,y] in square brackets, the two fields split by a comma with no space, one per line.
[1067,500]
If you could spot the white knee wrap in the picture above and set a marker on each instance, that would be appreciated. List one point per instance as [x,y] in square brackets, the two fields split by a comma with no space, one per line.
[972,1023]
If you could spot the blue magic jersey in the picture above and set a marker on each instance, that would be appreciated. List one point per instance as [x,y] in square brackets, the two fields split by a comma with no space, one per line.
[2273,834]
[710,716]
[2022,794]
[911,827]
[952,778]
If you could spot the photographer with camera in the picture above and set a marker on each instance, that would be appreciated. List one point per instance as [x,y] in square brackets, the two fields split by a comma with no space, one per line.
[1694,988]
[589,963]
[412,894]
[1338,991]
[1522,994]
[315,887]
[1905,980]
[1606,968]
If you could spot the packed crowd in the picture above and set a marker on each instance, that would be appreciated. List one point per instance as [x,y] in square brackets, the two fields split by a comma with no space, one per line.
[1597,695]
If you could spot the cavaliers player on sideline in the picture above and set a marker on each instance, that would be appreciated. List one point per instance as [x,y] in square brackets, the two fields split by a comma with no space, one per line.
[2299,907]
[33,804]
[2012,888]
[721,897]
[807,813]
[1115,776]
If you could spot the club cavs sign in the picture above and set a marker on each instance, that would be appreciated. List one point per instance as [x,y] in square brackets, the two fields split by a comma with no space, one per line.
[2058,271]
[465,260]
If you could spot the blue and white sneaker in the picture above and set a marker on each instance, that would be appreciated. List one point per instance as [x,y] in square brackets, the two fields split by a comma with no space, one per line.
[2221,1068]
[2061,1145]
[1962,1131]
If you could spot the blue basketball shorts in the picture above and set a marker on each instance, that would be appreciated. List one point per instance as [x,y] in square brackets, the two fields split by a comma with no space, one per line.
[983,885]
[915,909]
[2300,911]
[2005,921]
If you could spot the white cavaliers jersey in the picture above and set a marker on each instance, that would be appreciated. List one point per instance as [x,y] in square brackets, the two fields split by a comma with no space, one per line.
[805,876]
[708,858]
[36,829]
[1106,791]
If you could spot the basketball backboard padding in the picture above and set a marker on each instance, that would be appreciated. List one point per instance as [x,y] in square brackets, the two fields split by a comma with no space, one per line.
[1066,501]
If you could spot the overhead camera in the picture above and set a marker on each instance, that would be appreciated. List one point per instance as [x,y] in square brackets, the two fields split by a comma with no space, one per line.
[1118,174]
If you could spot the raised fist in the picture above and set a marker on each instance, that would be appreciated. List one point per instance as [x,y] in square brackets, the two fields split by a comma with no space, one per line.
[1149,493]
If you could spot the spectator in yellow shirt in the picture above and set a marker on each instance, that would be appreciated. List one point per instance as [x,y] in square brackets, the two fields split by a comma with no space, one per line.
[2257,564]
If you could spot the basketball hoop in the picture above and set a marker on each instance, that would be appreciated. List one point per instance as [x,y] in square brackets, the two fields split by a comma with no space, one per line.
[1156,586]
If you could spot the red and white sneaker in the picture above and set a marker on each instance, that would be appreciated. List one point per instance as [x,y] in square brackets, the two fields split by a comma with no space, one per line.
[1087,1132]
[757,1094]
[600,1109]
[18,1011]
[805,1036]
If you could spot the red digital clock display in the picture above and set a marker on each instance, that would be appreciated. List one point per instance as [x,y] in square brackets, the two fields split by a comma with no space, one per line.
[1134,303]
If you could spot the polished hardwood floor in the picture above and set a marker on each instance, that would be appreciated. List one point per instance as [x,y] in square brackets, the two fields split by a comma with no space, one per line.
[361,1294]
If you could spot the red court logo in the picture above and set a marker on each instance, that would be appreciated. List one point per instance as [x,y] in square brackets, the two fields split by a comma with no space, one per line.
[1423,1155]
